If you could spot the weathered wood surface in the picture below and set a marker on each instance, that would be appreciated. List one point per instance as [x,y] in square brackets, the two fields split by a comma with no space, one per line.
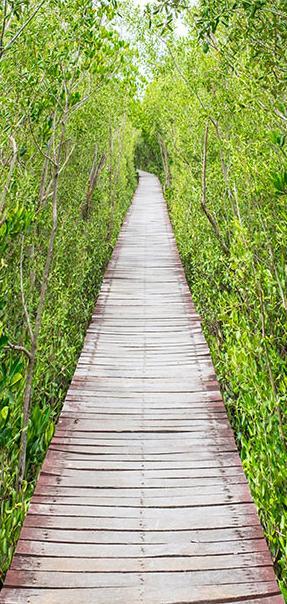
[142,497]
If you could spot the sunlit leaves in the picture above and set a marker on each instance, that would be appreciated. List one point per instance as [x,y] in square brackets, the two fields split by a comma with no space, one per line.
[280,182]
[278,138]
[69,63]
[235,78]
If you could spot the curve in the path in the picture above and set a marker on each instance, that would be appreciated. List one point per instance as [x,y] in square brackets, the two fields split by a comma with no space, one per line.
[142,498]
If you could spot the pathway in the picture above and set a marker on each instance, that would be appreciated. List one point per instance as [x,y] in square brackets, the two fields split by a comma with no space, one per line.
[142,498]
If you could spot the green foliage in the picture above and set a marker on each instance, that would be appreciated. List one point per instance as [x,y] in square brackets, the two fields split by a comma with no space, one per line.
[237,88]
[67,85]
[68,105]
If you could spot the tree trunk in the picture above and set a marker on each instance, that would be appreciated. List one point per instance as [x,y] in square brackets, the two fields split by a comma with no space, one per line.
[95,171]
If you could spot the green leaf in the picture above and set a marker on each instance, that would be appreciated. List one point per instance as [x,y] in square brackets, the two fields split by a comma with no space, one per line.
[4,412]
[3,341]
[17,377]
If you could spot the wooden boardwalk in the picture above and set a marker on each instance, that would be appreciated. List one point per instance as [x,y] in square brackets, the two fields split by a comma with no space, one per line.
[142,498]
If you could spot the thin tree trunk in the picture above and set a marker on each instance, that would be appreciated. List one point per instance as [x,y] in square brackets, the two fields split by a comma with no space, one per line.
[165,162]
[95,171]
[40,308]
[3,27]
[44,175]
[206,211]
[9,177]
[111,187]
[18,33]
[114,178]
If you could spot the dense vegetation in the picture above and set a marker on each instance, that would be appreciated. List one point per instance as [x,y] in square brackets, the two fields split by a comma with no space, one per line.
[213,126]
[67,177]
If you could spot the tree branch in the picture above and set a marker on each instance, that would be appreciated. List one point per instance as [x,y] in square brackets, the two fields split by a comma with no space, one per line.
[206,211]
[19,348]
[10,174]
[95,171]
[18,33]
[45,170]
[47,157]
[23,298]
[41,305]
[165,162]
[3,27]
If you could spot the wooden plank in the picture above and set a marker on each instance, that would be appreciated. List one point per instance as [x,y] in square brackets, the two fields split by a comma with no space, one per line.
[142,497]
[139,564]
[172,494]
[115,523]
[197,537]
[122,481]
[87,474]
[84,580]
[58,549]
[229,594]
[170,515]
